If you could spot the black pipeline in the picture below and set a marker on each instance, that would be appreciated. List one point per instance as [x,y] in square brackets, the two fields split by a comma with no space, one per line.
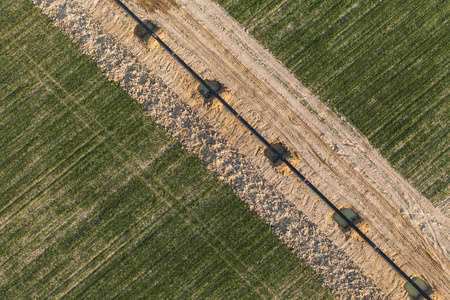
[267,144]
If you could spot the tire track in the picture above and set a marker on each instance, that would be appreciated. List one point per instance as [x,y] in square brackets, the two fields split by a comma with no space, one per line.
[280,103]
[419,250]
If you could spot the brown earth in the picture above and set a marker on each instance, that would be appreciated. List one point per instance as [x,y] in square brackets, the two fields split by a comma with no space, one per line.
[330,152]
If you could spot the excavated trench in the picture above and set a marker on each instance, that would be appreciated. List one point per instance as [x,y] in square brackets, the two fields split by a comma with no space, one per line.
[331,153]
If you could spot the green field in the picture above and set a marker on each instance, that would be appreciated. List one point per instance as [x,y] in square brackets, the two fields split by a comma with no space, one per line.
[97,201]
[385,65]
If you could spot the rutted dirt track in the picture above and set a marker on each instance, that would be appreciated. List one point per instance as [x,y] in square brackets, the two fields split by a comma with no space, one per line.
[338,160]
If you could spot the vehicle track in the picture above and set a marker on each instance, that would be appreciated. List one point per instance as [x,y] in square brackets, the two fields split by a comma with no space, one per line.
[207,52]
[314,156]
[231,62]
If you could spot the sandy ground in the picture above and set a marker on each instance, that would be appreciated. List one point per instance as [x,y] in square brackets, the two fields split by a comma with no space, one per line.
[331,153]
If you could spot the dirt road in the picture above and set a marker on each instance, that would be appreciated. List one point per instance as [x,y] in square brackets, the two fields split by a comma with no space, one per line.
[329,151]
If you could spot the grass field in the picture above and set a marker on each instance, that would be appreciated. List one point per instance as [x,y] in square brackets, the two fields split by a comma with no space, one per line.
[97,201]
[385,65]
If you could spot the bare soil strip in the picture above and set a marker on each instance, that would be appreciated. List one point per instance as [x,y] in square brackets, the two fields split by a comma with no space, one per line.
[329,151]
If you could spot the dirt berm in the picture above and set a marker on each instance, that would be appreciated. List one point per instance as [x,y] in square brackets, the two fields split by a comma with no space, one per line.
[328,150]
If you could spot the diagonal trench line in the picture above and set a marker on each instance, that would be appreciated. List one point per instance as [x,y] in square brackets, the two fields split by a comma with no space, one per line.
[427,257]
[418,250]
[263,141]
[268,145]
